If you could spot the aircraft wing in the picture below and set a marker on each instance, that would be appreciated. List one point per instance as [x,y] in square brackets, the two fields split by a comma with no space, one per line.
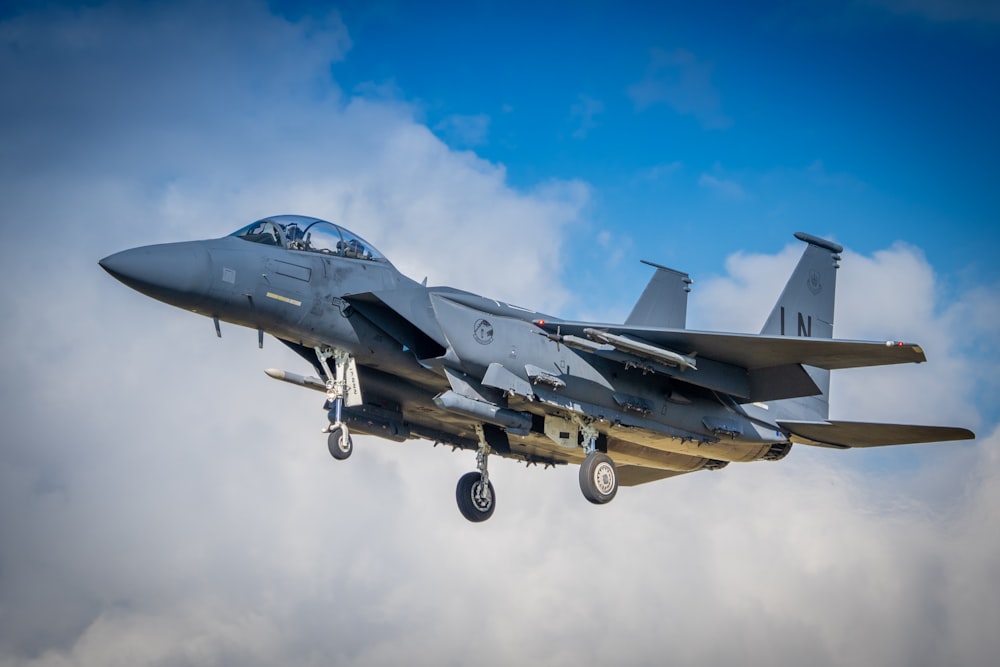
[843,435]
[751,351]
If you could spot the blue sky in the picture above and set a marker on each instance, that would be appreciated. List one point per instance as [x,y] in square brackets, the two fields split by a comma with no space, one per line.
[871,123]
[163,502]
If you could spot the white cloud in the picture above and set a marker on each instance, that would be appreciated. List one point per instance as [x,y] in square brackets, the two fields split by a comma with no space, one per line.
[684,83]
[660,171]
[741,299]
[163,502]
[726,187]
[614,247]
[465,131]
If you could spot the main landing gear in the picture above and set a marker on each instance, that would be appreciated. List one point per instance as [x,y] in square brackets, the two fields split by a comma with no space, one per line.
[598,476]
[338,440]
[474,493]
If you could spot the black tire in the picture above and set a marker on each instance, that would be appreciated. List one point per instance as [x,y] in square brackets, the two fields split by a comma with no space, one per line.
[339,443]
[472,502]
[598,478]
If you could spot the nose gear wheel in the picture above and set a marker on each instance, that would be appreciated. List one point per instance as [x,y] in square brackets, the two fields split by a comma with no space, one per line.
[339,442]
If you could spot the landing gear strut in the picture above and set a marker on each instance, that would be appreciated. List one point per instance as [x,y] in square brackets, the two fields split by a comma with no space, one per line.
[474,493]
[598,476]
[339,440]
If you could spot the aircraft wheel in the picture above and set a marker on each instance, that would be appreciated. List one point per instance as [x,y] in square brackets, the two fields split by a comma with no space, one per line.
[339,443]
[475,502]
[598,478]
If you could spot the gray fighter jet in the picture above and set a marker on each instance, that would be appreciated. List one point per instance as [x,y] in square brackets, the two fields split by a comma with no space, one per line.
[630,403]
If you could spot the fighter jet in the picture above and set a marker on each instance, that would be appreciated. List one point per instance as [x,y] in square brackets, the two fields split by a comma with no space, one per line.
[629,403]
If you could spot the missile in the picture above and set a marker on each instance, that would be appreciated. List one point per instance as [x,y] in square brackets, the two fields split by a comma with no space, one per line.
[578,343]
[586,345]
[626,344]
[309,382]
[488,412]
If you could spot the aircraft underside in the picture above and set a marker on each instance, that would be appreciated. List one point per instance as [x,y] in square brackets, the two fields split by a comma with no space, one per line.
[617,453]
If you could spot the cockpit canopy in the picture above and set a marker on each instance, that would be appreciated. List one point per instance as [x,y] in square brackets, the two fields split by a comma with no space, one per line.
[299,232]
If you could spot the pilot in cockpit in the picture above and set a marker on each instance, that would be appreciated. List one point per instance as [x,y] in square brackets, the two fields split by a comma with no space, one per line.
[295,238]
[352,248]
[309,234]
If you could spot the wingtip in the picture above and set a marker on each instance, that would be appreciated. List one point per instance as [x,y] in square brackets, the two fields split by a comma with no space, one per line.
[913,347]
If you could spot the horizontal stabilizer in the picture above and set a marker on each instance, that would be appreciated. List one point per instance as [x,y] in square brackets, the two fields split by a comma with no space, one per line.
[636,475]
[842,434]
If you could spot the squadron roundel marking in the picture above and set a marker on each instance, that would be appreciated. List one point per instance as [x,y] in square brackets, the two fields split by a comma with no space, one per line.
[813,283]
[482,331]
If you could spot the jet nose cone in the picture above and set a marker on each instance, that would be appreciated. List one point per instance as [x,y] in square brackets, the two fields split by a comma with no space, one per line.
[120,264]
[177,273]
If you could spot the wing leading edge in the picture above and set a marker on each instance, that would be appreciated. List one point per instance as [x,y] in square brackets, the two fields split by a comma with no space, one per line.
[752,351]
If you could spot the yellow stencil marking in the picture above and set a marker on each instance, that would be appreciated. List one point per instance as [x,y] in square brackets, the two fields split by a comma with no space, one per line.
[294,302]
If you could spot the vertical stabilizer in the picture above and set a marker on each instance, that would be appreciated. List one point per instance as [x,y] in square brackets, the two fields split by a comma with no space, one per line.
[805,309]
[664,301]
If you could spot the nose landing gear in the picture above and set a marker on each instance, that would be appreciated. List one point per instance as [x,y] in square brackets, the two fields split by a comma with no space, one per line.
[342,388]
